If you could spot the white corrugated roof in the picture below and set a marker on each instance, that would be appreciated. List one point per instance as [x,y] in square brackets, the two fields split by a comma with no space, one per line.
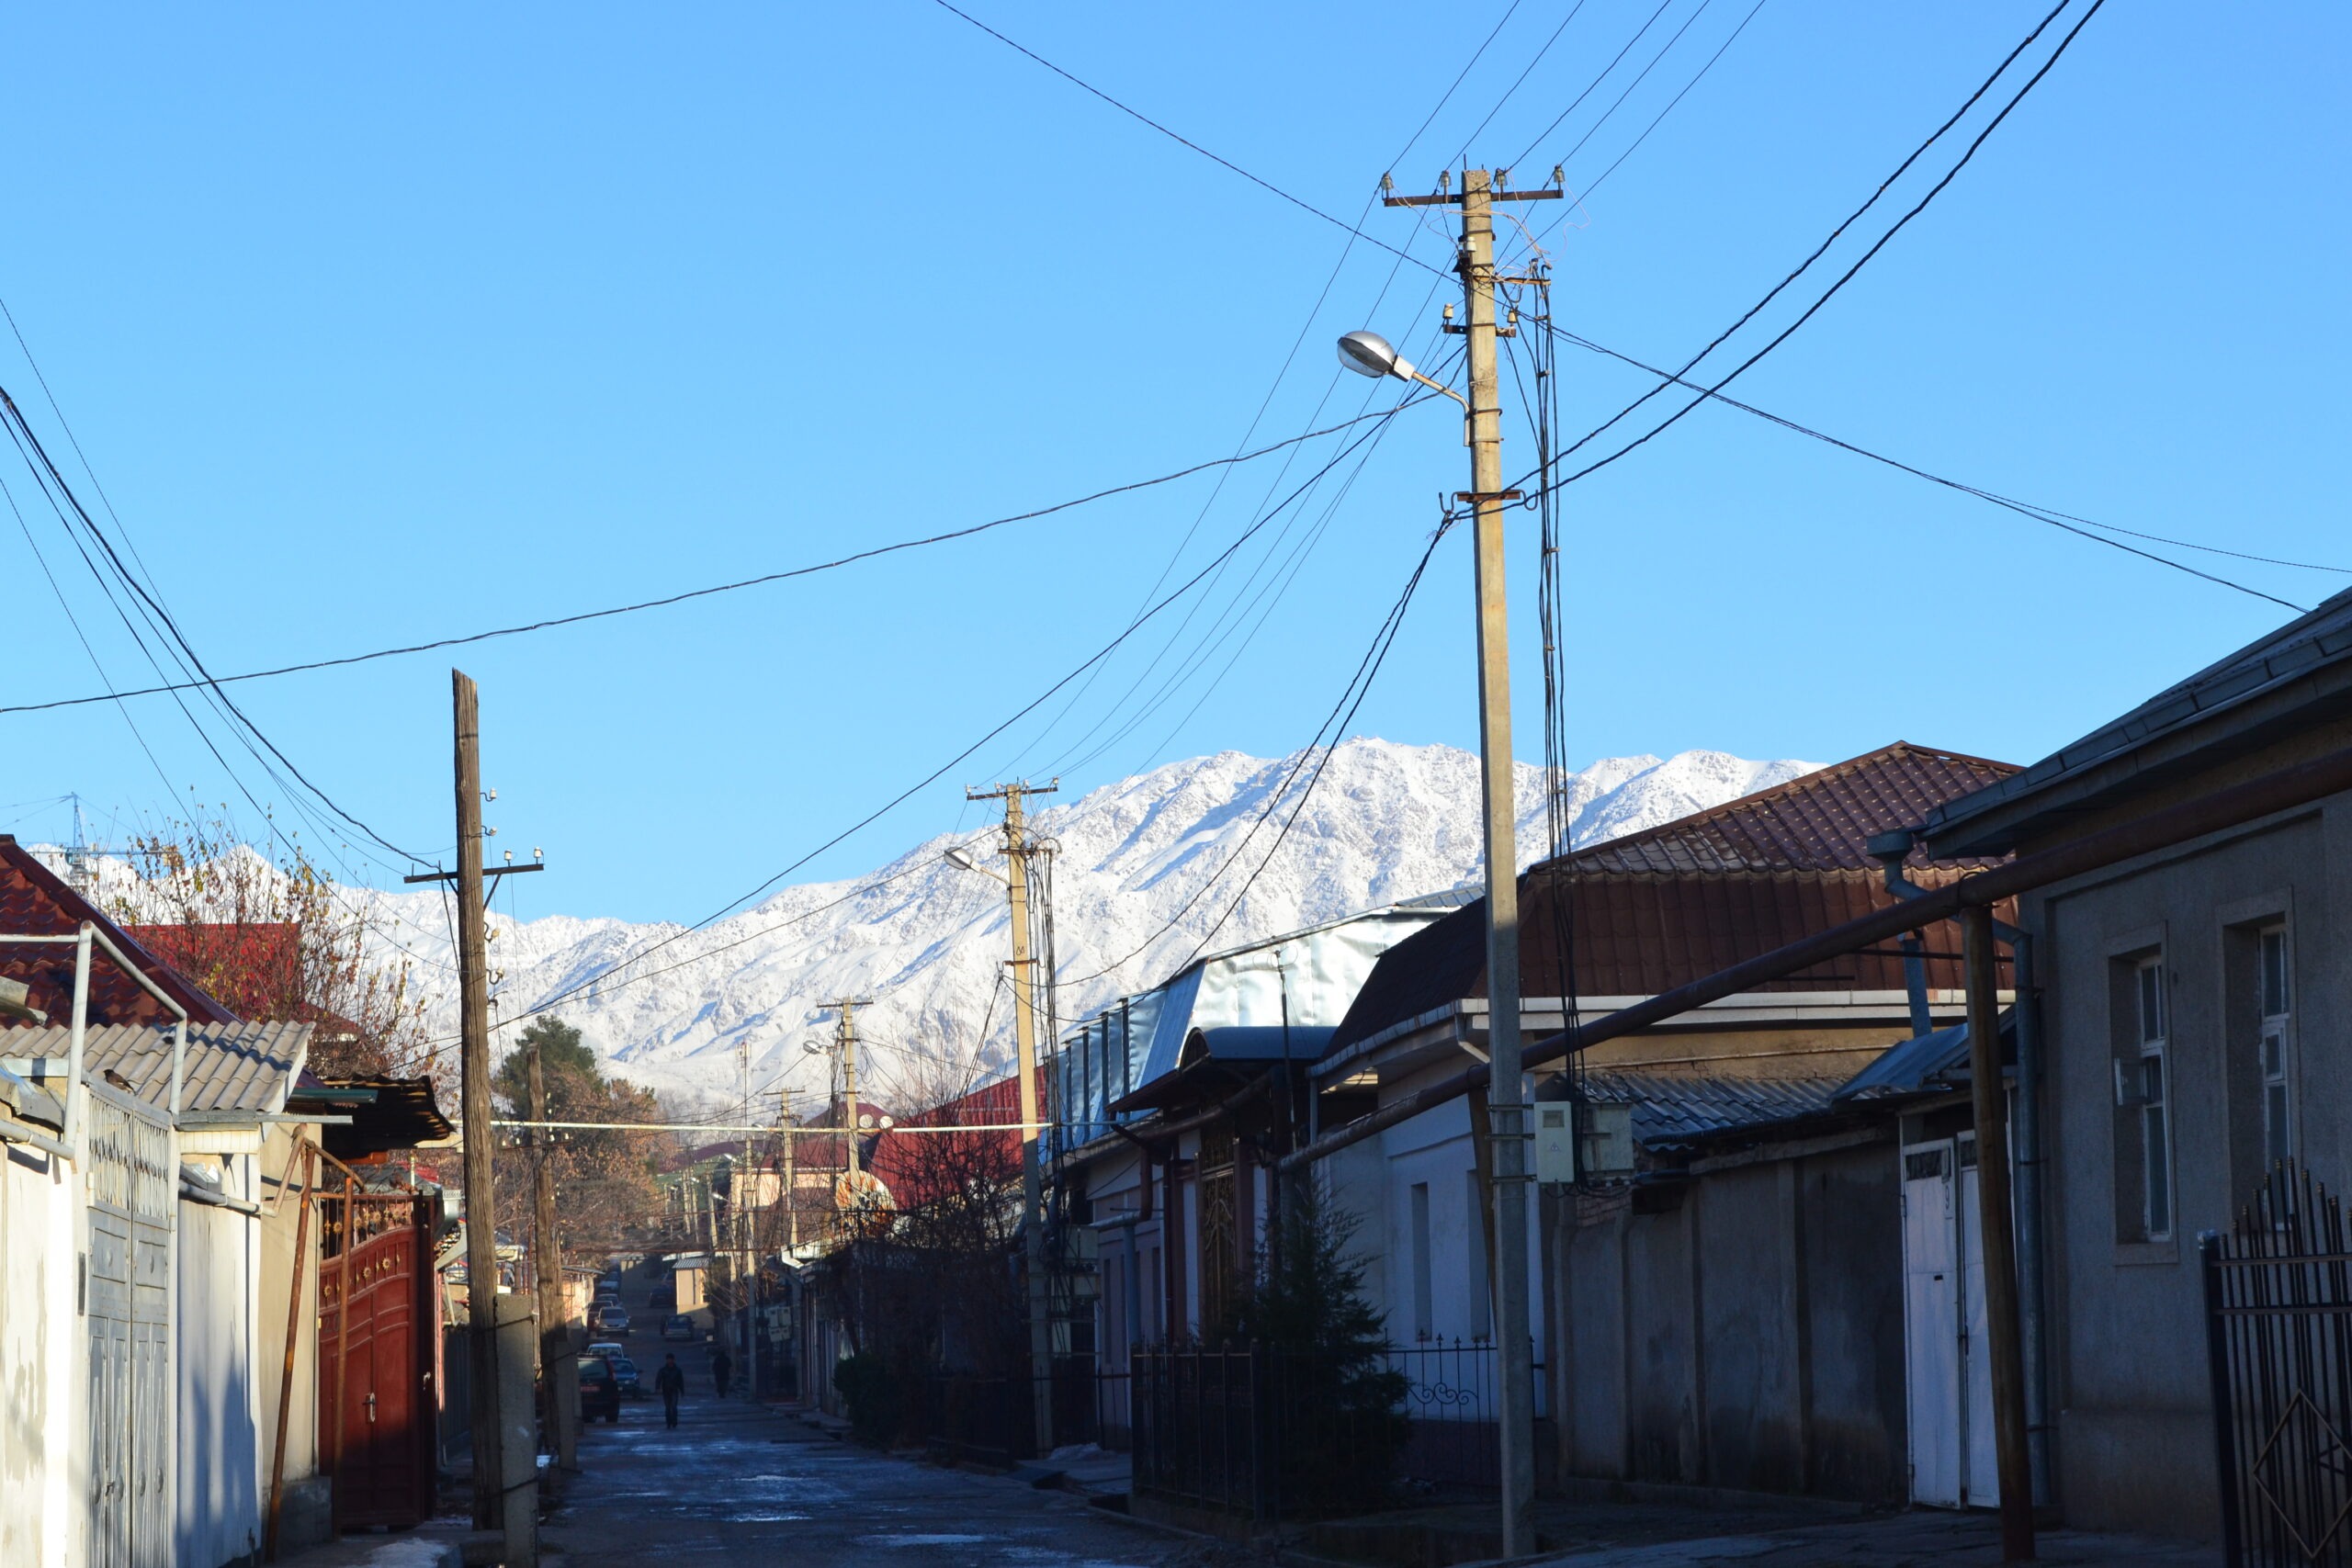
[229,1066]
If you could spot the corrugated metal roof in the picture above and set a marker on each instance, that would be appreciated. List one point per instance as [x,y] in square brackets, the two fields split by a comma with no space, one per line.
[1660,908]
[1670,1110]
[241,1066]
[2315,645]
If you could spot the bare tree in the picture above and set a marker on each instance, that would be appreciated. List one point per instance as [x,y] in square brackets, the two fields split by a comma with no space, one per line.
[275,939]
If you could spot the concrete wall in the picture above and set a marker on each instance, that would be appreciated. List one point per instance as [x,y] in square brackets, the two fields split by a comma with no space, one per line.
[2133,1442]
[41,1359]
[217,1452]
[1749,1336]
[280,1176]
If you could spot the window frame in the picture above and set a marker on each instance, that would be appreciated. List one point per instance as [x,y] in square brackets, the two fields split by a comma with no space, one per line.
[2275,1021]
[2152,1034]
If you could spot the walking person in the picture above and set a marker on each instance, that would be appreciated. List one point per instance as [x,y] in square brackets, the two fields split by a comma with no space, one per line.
[672,1382]
[722,1365]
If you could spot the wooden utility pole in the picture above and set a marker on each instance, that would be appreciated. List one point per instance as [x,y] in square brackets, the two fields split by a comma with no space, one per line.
[1018,847]
[559,1367]
[1996,1219]
[473,1031]
[1507,1131]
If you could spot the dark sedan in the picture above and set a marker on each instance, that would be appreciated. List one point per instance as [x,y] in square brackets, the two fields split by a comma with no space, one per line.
[600,1390]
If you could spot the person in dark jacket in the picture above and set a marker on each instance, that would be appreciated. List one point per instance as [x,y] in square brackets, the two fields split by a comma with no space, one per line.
[721,1366]
[672,1382]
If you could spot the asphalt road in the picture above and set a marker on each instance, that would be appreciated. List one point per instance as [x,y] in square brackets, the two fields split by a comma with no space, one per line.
[735,1481]
[753,1484]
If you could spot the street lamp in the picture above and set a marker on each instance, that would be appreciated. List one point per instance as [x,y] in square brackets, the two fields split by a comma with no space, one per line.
[961,859]
[1369,353]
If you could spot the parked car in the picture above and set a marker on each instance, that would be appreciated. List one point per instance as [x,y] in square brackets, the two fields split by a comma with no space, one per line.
[678,1326]
[625,1373]
[665,1294]
[608,1349]
[614,1320]
[600,1390]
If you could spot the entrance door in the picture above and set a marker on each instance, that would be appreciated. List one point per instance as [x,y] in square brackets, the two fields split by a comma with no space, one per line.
[1982,1477]
[1949,1375]
[374,1363]
[1931,1326]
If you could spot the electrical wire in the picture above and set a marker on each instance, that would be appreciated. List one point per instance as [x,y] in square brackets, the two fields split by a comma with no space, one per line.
[668,600]
[604,979]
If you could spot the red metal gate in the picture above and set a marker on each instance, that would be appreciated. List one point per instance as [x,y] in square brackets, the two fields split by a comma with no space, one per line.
[376,1330]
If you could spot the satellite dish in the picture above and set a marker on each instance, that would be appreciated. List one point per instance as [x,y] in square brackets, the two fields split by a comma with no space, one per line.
[865,1121]
[862,1191]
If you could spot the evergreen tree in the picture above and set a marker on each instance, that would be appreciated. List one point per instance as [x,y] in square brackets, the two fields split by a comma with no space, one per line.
[1337,1431]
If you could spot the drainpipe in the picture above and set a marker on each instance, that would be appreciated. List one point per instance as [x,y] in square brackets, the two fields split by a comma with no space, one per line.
[1890,849]
[1914,983]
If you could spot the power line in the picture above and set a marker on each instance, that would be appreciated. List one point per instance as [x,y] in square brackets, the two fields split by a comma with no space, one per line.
[1701,75]
[1643,75]
[604,980]
[2027,509]
[1835,234]
[1847,276]
[2054,518]
[552,622]
[1336,722]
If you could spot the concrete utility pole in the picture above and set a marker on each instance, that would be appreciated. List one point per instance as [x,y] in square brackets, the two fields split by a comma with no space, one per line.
[1507,1129]
[845,1041]
[473,1031]
[791,1178]
[746,1231]
[559,1367]
[1018,847]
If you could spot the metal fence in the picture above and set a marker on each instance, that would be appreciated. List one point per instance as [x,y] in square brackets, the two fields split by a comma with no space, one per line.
[2279,1338]
[1275,1432]
[990,1420]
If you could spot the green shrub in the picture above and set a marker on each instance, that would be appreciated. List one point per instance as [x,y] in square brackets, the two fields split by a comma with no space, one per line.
[877,1407]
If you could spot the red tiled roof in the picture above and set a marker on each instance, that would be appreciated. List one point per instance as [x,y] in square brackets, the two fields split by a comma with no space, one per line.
[1822,821]
[1659,908]
[35,901]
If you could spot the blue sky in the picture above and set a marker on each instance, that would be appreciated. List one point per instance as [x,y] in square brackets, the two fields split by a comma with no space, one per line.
[378,327]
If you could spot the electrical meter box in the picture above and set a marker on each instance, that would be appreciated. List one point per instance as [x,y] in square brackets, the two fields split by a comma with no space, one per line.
[1582,1142]
[1555,1142]
[1605,1142]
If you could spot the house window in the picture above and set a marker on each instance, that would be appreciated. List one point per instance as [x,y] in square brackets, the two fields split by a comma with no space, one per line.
[2156,1108]
[1422,1327]
[2275,1049]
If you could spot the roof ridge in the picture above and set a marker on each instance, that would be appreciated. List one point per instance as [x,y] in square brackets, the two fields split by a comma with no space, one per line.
[1787,789]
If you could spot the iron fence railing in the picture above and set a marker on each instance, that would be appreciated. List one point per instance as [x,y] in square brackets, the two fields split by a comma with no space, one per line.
[1277,1432]
[2278,1339]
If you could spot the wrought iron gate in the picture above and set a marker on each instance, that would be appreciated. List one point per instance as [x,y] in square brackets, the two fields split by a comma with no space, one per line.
[2279,1338]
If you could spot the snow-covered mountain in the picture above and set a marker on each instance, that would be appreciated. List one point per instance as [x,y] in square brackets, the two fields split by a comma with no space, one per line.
[1147,870]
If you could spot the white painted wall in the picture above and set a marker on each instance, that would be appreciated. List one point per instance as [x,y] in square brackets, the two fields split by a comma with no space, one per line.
[219,1459]
[39,1363]
[1432,1151]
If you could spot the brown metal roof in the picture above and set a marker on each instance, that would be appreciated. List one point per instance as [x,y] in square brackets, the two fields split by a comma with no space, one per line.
[233,1067]
[1822,821]
[1659,908]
